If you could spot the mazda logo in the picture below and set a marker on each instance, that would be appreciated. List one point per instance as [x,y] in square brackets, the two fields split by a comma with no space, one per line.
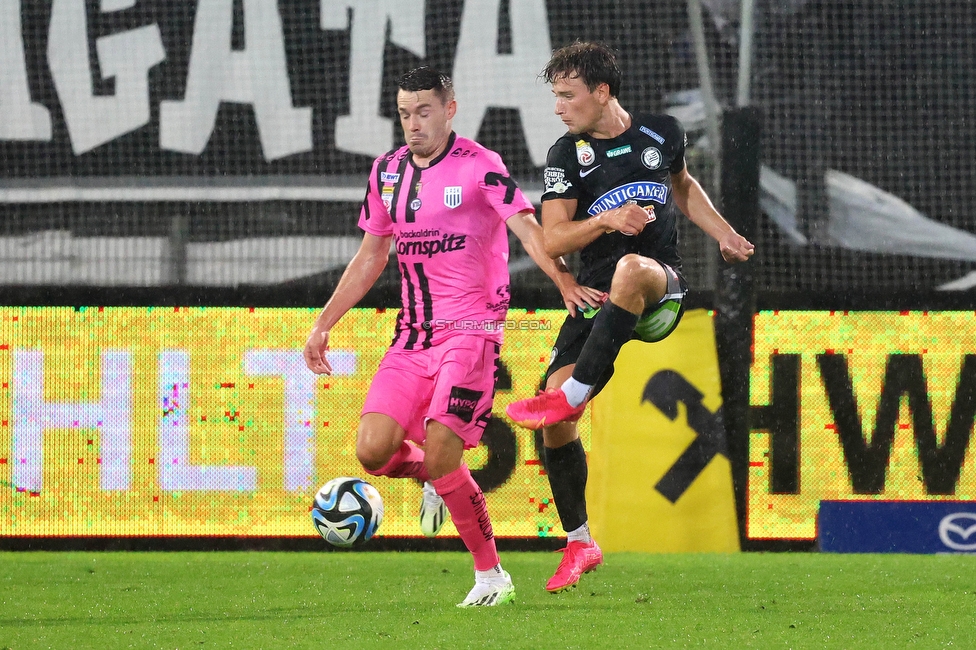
[958,531]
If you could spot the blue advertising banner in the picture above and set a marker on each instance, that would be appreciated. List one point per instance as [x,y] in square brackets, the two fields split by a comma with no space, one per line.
[897,526]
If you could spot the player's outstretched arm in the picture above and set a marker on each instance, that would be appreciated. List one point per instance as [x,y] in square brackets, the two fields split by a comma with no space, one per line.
[562,235]
[575,296]
[693,201]
[360,275]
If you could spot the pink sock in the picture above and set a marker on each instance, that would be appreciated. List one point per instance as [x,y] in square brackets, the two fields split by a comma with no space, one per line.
[407,462]
[469,513]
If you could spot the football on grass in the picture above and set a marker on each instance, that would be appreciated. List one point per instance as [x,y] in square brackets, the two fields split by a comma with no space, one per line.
[347,511]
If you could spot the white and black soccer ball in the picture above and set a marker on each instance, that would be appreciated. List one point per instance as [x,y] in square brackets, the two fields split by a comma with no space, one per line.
[347,511]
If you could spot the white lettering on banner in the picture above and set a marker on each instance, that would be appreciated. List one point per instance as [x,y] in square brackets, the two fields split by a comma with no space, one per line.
[108,6]
[112,417]
[20,118]
[483,78]
[257,75]
[363,130]
[299,411]
[175,470]
[127,57]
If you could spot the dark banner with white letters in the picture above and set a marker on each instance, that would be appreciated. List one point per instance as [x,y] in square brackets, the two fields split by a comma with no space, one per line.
[244,87]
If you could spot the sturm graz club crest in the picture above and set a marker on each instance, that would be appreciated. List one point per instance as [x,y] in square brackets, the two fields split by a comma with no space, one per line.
[452,196]
[651,157]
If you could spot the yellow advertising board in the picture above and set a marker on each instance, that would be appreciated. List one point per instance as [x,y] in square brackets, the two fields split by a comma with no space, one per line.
[659,474]
[194,421]
[858,406]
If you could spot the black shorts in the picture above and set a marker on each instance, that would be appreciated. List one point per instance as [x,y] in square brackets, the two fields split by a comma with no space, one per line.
[655,324]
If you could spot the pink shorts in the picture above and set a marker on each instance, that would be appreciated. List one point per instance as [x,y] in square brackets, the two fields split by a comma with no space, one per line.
[452,383]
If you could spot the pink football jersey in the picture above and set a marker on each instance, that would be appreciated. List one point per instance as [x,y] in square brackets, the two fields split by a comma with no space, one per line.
[448,227]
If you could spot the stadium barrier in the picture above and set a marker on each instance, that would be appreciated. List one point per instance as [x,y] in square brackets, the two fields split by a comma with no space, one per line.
[843,406]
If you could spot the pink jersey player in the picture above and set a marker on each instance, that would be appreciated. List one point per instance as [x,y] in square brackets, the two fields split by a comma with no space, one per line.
[446,204]
[448,227]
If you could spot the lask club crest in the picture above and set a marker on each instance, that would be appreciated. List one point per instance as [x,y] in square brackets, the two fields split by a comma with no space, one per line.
[452,196]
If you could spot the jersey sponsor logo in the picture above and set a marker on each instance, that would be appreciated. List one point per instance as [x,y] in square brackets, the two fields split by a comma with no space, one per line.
[415,204]
[388,177]
[619,151]
[463,153]
[651,157]
[416,234]
[638,191]
[584,174]
[584,153]
[429,247]
[452,196]
[555,180]
[553,175]
[648,132]
[505,297]
[463,402]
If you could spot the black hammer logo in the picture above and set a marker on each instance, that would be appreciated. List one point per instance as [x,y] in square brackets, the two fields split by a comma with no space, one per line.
[665,390]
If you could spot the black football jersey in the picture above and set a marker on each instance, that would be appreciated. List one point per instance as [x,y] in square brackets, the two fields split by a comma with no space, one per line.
[603,174]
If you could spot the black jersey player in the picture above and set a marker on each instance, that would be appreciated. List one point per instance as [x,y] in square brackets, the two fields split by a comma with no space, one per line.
[614,186]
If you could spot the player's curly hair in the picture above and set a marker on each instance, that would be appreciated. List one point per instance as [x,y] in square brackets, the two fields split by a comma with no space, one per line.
[592,62]
[426,78]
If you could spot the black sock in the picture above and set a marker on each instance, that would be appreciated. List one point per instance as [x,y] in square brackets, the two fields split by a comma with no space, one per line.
[612,327]
[566,467]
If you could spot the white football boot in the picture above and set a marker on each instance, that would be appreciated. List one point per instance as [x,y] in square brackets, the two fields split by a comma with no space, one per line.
[433,512]
[489,592]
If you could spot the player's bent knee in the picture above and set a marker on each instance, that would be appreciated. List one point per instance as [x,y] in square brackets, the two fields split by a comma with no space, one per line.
[634,273]
[371,462]
[373,456]
[638,277]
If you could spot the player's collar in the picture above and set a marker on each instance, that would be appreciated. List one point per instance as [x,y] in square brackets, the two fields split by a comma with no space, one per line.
[441,156]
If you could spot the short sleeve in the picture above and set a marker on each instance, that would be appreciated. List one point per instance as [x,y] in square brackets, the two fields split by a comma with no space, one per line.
[374,216]
[499,189]
[678,161]
[562,172]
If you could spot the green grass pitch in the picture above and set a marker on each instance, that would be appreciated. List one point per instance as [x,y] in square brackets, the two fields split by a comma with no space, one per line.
[259,600]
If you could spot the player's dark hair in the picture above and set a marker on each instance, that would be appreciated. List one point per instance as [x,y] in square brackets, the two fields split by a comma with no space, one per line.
[425,78]
[593,63]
